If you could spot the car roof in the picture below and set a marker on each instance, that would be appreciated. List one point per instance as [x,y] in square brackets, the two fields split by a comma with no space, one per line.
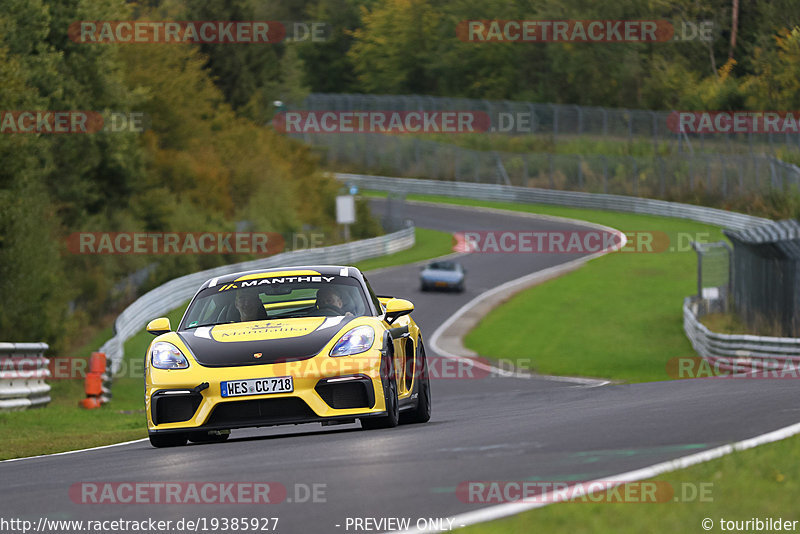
[294,270]
[444,265]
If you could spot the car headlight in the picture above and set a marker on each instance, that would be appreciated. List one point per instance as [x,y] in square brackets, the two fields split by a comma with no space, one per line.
[355,341]
[167,356]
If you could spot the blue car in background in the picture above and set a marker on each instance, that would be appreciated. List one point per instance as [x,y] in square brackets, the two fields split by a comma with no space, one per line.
[442,275]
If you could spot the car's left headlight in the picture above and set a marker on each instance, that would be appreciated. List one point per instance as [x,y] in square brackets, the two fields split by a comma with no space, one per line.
[167,356]
[355,341]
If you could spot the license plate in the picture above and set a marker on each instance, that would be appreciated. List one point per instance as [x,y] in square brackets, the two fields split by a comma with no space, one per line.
[441,284]
[257,386]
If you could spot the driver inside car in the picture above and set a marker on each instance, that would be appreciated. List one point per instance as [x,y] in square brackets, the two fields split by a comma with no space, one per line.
[330,301]
[249,306]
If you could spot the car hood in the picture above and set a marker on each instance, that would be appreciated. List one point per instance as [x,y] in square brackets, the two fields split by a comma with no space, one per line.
[260,342]
[444,276]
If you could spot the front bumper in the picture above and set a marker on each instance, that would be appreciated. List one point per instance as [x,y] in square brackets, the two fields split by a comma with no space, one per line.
[441,284]
[326,389]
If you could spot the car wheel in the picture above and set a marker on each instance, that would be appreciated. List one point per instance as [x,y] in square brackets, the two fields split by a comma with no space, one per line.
[460,287]
[168,440]
[423,287]
[209,437]
[422,411]
[392,417]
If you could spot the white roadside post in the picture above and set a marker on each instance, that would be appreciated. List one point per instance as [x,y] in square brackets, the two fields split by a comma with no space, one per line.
[346,213]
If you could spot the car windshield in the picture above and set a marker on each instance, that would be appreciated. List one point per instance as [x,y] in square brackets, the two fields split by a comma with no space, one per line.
[271,297]
[443,266]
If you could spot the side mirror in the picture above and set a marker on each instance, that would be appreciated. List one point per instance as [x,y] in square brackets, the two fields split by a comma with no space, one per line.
[159,326]
[397,308]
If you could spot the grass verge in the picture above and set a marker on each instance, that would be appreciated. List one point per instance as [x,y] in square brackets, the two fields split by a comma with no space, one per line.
[63,426]
[428,244]
[756,483]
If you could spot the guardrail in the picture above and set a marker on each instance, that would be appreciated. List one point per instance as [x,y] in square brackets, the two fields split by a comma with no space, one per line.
[739,352]
[176,292]
[574,199]
[23,370]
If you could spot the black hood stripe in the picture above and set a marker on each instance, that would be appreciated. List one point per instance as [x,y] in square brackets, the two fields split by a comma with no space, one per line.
[211,353]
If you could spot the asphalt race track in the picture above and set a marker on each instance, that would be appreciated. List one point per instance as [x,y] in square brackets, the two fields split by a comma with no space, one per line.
[484,428]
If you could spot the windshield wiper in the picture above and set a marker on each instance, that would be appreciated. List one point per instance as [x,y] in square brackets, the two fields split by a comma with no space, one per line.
[207,324]
[290,316]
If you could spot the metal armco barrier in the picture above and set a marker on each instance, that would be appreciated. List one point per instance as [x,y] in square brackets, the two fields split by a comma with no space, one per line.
[739,352]
[177,292]
[573,199]
[23,370]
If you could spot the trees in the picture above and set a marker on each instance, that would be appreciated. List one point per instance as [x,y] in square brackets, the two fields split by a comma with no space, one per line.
[410,46]
[199,165]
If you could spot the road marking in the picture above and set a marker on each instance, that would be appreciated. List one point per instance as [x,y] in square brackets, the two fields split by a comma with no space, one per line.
[500,511]
[74,452]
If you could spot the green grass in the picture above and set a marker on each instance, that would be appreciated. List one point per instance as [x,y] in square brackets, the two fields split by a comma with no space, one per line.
[617,317]
[428,244]
[761,482]
[63,426]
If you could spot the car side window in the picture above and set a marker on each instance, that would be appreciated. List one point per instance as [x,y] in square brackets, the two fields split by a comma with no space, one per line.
[375,301]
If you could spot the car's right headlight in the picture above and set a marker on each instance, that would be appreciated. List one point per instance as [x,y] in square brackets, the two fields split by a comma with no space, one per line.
[355,341]
[165,355]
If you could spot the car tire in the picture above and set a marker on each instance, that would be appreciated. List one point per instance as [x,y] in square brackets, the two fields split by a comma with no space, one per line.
[392,417]
[460,287]
[423,287]
[206,437]
[168,440]
[422,411]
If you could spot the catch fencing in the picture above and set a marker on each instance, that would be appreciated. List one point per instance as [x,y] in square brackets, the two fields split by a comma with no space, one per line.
[766,277]
[713,276]
[564,121]
[23,371]
[675,176]
[715,166]
[177,292]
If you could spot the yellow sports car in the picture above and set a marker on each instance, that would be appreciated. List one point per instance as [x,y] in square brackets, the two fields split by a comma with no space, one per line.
[284,346]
